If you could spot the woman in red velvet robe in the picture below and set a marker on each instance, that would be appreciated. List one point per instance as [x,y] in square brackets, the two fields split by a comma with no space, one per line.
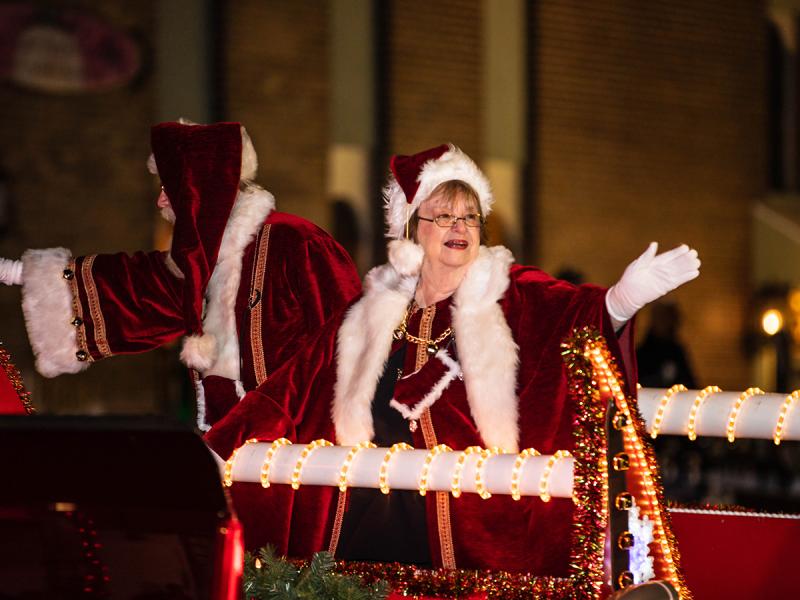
[450,343]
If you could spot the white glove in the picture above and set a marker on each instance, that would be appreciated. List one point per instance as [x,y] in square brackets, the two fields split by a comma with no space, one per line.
[649,277]
[11,271]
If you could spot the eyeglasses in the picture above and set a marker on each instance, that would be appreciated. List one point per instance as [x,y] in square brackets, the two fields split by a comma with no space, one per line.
[445,220]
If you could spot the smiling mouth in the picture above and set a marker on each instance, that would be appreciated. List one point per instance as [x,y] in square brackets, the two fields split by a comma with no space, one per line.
[457,244]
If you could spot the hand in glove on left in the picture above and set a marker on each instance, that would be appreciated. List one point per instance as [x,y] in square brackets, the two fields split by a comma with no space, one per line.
[649,277]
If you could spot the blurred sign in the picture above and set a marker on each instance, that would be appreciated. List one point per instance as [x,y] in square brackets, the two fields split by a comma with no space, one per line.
[64,51]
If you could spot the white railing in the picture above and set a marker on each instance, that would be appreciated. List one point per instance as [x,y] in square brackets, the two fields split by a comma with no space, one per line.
[471,471]
[713,412]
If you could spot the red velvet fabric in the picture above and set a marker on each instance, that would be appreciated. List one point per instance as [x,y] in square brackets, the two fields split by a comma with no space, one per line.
[406,168]
[10,402]
[199,167]
[738,556]
[527,536]
[131,304]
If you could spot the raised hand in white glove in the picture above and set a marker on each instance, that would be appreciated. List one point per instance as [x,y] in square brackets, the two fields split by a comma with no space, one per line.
[11,271]
[649,277]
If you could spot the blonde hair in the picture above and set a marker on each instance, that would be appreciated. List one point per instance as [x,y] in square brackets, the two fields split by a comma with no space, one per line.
[449,192]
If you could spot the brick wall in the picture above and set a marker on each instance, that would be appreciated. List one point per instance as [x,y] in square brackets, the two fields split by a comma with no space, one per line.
[431,90]
[76,169]
[648,125]
[275,70]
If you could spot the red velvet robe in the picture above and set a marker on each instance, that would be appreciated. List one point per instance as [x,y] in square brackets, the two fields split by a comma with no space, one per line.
[509,322]
[288,278]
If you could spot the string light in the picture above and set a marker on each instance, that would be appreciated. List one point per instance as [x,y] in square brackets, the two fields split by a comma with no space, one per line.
[544,482]
[603,371]
[780,426]
[227,476]
[662,408]
[383,475]
[298,467]
[273,448]
[736,408]
[522,457]
[455,486]
[480,485]
[426,466]
[694,413]
[348,460]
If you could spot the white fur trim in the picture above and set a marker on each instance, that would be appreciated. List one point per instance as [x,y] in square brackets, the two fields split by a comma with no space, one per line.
[200,398]
[152,168]
[362,347]
[199,351]
[405,256]
[240,391]
[47,307]
[249,212]
[249,158]
[486,348]
[452,165]
[453,371]
[490,377]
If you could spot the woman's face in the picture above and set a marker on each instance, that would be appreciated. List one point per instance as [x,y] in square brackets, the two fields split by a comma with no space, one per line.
[455,246]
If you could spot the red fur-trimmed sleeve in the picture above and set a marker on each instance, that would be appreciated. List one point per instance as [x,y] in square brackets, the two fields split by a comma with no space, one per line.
[78,310]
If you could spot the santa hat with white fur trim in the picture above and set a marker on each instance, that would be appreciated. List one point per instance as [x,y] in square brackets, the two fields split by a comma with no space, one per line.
[413,179]
[200,167]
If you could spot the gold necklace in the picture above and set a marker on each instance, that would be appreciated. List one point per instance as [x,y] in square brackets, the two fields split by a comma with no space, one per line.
[432,345]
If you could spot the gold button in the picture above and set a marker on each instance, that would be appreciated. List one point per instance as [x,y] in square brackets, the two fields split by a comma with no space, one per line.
[625,540]
[81,355]
[621,462]
[623,501]
[619,421]
[68,273]
[625,579]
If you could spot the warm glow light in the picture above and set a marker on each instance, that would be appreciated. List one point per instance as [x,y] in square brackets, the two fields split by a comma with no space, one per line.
[455,486]
[780,426]
[227,477]
[480,486]
[383,475]
[426,467]
[734,414]
[772,321]
[348,461]
[650,507]
[273,448]
[662,408]
[694,414]
[298,467]
[544,482]
[517,470]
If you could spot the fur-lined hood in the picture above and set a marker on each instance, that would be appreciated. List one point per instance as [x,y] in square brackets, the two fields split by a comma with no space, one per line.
[365,338]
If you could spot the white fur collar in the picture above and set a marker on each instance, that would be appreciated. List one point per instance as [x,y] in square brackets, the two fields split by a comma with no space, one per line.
[216,351]
[365,339]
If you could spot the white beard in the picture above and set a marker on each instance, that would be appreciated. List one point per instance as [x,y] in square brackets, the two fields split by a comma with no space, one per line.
[168,214]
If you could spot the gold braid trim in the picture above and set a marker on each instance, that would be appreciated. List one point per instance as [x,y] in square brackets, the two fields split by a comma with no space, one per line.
[94,307]
[444,524]
[256,337]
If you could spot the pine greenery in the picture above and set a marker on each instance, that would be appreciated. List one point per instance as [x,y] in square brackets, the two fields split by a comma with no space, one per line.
[270,577]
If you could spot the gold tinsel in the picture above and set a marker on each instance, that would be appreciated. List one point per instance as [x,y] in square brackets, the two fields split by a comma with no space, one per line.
[16,380]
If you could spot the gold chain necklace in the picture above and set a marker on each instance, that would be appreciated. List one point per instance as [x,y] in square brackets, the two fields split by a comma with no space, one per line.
[432,345]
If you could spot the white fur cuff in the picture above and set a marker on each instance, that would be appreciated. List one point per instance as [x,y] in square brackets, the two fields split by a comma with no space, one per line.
[199,351]
[47,307]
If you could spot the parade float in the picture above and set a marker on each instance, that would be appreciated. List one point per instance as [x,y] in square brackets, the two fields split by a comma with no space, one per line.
[624,532]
